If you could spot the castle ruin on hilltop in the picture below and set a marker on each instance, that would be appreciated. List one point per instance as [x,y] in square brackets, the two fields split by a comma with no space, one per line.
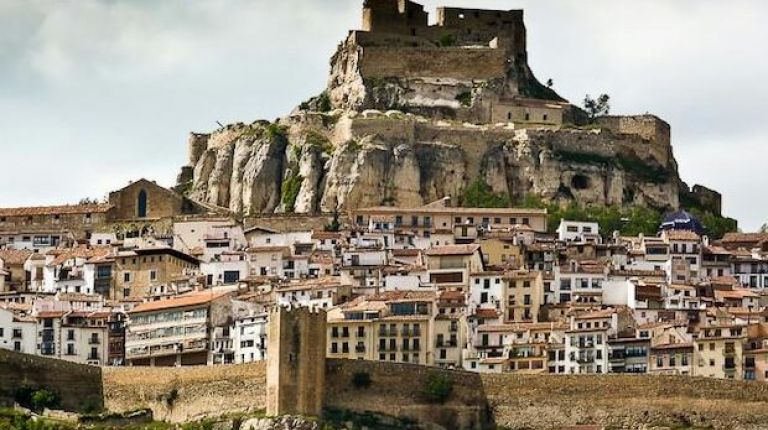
[471,65]
[414,112]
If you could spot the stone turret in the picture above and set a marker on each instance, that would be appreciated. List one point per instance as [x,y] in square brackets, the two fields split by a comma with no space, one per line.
[296,361]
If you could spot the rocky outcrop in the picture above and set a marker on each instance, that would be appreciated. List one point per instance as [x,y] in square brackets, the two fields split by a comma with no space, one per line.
[422,112]
[347,160]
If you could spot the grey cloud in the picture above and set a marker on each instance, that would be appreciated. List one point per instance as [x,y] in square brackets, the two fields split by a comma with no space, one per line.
[95,93]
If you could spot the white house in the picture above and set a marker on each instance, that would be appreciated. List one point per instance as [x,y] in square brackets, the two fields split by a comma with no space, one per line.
[578,231]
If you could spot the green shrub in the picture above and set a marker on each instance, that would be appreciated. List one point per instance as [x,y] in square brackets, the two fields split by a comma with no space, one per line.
[446,40]
[317,140]
[438,388]
[479,195]
[290,190]
[465,98]
[274,130]
[324,102]
[361,380]
[36,398]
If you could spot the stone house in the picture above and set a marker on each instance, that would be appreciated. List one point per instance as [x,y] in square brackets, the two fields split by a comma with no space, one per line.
[141,271]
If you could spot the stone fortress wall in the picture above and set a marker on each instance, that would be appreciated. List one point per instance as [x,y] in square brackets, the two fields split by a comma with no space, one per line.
[78,386]
[478,400]
[180,394]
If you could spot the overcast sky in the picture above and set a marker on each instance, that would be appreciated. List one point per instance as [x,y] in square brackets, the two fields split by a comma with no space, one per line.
[96,93]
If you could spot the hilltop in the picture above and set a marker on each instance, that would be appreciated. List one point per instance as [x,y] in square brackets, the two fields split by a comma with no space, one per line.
[414,112]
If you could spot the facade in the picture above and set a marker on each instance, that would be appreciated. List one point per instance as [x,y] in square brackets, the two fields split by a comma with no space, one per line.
[718,352]
[176,332]
[144,272]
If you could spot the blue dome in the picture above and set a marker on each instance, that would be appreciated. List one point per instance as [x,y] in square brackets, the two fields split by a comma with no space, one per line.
[682,220]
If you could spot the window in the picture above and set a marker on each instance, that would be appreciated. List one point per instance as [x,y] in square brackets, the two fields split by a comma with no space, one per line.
[141,204]
[126,277]
[153,275]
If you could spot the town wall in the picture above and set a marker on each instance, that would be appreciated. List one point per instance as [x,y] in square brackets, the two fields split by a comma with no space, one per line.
[179,394]
[398,389]
[447,63]
[78,386]
[512,401]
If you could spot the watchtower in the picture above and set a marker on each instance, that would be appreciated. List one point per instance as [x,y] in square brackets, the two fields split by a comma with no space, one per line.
[296,361]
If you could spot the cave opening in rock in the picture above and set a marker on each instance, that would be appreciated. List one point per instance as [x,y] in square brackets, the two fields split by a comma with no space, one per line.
[580,182]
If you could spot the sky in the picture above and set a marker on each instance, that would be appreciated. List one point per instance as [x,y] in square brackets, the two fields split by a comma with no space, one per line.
[95,93]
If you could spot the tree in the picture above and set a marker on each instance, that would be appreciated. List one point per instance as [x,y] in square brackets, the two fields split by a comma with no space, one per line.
[763,228]
[597,107]
[480,195]
[550,83]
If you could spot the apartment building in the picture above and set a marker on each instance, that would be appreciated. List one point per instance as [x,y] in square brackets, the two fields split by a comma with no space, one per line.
[394,326]
[523,296]
[718,351]
[586,341]
[177,331]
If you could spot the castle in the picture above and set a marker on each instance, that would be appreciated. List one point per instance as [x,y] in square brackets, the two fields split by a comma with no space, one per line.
[414,112]
[471,65]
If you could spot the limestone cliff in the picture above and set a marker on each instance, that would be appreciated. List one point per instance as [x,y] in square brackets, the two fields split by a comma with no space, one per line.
[329,162]
[415,112]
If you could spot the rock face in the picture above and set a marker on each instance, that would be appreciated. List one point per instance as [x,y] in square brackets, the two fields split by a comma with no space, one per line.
[376,159]
[414,113]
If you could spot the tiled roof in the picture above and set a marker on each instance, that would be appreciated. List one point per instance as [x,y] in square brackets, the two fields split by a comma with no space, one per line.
[14,256]
[485,313]
[453,250]
[735,294]
[744,237]
[406,252]
[80,252]
[55,210]
[191,299]
[687,235]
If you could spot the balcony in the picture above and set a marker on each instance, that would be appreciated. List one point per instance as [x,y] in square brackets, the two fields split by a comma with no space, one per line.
[94,341]
[360,348]
[585,360]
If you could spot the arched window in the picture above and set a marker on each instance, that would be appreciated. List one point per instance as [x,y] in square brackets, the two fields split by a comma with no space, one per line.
[141,204]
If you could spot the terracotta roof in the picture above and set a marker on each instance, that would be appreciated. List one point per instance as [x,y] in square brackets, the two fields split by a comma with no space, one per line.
[55,210]
[14,256]
[50,314]
[485,313]
[191,299]
[687,235]
[603,313]
[406,252]
[453,250]
[715,250]
[734,294]
[81,252]
[272,248]
[326,235]
[744,237]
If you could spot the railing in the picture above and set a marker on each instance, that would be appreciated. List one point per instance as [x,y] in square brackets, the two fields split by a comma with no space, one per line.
[94,341]
[360,348]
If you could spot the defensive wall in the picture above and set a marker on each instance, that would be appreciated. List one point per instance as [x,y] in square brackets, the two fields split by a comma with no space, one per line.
[179,394]
[646,139]
[448,63]
[78,387]
[513,401]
